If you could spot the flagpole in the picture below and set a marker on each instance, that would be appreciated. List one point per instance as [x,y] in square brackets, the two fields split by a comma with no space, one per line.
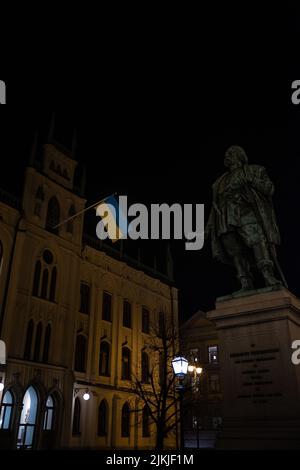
[82,212]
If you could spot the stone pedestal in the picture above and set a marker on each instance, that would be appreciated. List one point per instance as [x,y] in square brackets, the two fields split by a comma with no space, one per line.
[260,385]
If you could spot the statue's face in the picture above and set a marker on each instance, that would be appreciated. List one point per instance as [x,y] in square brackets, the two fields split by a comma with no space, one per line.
[232,159]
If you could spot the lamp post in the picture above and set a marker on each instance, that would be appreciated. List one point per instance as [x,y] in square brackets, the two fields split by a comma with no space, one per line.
[180,368]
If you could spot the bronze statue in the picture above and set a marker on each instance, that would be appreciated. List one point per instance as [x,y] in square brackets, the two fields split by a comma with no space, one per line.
[242,223]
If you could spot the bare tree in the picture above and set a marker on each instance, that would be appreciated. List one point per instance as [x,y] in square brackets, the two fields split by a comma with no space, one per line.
[154,382]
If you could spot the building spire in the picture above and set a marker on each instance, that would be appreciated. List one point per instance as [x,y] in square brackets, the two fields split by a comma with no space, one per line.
[51,128]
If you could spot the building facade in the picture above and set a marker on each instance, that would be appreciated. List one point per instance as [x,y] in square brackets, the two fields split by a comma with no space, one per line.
[75,317]
[203,400]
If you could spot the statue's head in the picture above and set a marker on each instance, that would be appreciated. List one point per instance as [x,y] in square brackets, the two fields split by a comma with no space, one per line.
[235,156]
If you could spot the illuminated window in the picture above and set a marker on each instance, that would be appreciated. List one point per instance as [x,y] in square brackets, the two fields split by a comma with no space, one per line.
[6,410]
[28,418]
[49,414]
[213,355]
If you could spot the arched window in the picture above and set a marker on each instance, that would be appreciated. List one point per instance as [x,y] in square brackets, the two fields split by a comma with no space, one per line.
[49,414]
[46,288]
[47,344]
[102,419]
[126,364]
[36,279]
[39,197]
[53,215]
[28,343]
[80,354]
[146,419]
[44,292]
[70,224]
[28,420]
[125,421]
[6,410]
[76,417]
[38,342]
[104,361]
[145,367]
[53,285]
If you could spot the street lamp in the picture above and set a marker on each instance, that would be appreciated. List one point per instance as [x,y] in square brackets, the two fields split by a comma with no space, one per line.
[180,367]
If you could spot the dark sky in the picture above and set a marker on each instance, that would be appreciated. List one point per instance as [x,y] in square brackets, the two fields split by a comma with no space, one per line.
[152,162]
[155,126]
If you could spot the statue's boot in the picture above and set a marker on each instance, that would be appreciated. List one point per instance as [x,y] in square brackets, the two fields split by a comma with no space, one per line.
[265,264]
[243,273]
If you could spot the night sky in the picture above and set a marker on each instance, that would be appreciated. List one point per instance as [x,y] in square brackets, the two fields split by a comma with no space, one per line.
[158,131]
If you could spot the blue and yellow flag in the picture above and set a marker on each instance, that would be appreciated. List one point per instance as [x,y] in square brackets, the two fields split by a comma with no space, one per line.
[114,222]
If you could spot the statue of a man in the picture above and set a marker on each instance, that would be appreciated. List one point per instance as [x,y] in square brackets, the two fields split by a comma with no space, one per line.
[242,223]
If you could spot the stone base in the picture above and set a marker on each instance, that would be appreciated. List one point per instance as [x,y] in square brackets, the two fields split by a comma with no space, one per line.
[260,385]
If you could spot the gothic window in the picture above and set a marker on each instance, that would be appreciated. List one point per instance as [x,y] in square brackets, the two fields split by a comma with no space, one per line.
[39,198]
[102,419]
[6,410]
[76,417]
[104,361]
[28,419]
[29,338]
[38,342]
[80,353]
[53,215]
[49,414]
[47,344]
[37,278]
[126,364]
[44,291]
[53,285]
[125,424]
[45,277]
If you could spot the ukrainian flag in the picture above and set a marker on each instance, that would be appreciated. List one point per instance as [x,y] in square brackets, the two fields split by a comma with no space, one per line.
[113,219]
